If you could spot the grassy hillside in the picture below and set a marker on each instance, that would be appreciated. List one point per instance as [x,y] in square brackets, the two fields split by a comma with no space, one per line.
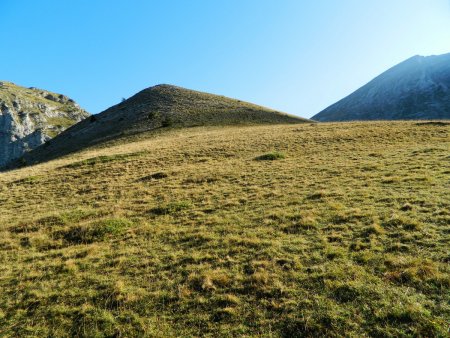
[156,108]
[288,230]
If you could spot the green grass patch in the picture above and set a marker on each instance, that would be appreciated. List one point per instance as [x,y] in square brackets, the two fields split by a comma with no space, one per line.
[61,122]
[28,180]
[96,231]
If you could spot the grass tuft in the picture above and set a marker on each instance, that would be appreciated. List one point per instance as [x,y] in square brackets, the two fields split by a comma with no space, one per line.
[94,232]
[171,208]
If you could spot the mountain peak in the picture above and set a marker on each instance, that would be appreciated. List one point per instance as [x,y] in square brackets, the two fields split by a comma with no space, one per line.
[163,86]
[417,88]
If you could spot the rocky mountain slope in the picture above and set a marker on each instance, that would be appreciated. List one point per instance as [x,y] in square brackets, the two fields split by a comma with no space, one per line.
[158,107]
[29,117]
[418,88]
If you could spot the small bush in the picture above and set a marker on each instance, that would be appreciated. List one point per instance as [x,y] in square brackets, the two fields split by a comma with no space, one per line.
[167,122]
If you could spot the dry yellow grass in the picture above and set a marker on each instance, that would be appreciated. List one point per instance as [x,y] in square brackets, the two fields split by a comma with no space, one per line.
[344,231]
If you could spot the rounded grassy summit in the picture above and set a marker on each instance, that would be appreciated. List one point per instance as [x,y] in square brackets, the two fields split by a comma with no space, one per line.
[159,107]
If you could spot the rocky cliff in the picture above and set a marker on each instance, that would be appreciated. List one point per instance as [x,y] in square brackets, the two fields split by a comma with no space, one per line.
[30,117]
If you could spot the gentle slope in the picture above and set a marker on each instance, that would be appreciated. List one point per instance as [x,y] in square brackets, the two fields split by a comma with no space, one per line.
[266,231]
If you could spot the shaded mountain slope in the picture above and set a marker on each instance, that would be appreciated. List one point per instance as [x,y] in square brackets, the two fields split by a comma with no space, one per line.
[418,88]
[162,106]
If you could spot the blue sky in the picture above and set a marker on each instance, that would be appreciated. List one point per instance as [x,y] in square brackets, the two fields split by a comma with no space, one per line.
[293,55]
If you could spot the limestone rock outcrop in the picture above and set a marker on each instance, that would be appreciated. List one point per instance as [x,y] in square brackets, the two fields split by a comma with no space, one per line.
[29,117]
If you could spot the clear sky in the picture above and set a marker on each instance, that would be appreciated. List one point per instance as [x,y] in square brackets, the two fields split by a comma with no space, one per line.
[297,56]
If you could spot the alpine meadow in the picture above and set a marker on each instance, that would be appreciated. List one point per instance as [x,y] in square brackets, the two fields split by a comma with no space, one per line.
[254,169]
[203,232]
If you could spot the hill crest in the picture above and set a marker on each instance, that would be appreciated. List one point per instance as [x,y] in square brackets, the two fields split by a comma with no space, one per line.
[154,108]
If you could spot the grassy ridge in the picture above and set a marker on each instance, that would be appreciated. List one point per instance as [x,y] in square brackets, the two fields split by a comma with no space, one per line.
[300,230]
[158,108]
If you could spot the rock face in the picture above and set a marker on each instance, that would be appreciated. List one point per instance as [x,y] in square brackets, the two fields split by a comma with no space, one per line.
[416,89]
[30,117]
[160,107]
